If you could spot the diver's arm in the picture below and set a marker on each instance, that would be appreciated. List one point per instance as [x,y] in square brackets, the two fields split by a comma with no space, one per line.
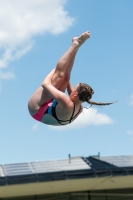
[69,88]
[60,96]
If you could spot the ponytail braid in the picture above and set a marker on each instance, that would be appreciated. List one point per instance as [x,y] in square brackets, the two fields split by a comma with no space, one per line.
[99,103]
[85,93]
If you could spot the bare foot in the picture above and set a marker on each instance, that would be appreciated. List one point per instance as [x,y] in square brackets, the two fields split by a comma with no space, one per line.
[81,39]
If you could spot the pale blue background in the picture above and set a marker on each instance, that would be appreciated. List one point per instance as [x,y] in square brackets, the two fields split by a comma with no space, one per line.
[105,62]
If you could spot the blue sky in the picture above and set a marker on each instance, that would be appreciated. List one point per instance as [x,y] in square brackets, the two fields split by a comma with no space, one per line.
[33,36]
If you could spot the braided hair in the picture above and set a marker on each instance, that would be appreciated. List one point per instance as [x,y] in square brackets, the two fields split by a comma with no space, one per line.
[85,93]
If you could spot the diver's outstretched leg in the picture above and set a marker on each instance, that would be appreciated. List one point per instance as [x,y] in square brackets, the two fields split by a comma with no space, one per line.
[65,64]
[67,75]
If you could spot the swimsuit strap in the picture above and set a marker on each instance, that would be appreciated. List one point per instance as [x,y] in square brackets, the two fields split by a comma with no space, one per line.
[77,112]
[72,113]
[51,111]
[55,116]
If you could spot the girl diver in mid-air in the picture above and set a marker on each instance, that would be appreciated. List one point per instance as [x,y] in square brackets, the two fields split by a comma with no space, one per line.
[49,104]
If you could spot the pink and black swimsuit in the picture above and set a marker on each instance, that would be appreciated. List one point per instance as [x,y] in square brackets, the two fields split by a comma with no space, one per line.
[49,108]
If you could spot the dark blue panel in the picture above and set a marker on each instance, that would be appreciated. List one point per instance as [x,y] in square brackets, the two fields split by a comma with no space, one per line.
[2,181]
